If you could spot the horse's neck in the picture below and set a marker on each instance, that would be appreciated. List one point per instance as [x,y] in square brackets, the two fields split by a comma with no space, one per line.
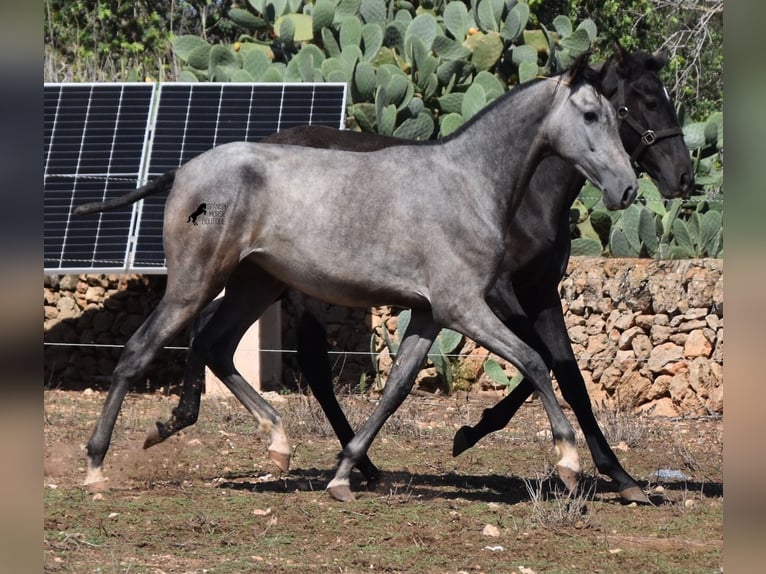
[505,143]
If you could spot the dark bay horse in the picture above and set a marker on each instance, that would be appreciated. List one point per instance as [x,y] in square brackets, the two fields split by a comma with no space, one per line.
[537,257]
[311,219]
[651,134]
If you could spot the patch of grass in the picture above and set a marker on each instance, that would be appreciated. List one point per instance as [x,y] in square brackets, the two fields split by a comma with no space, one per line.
[554,507]
[621,426]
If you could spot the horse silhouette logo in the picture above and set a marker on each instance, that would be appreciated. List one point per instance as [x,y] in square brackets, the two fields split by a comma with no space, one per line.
[201,210]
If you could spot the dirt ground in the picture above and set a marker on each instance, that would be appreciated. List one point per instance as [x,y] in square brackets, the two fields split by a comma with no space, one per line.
[209,500]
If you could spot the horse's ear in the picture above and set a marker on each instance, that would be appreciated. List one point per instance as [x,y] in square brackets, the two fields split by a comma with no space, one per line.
[579,67]
[658,61]
[623,58]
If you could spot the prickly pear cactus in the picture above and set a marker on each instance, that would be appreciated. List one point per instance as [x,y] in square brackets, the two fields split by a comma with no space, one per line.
[450,58]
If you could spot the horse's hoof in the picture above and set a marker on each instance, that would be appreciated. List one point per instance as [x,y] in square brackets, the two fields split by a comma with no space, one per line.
[152,437]
[281,459]
[634,494]
[341,492]
[461,442]
[568,476]
[97,486]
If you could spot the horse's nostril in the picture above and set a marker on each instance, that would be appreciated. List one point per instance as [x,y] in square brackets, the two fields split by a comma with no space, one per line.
[687,183]
[628,196]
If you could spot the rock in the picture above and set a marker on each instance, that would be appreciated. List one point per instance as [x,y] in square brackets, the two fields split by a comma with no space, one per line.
[632,387]
[626,339]
[662,355]
[610,378]
[622,322]
[67,309]
[715,401]
[595,325]
[68,283]
[642,347]
[689,326]
[678,338]
[660,408]
[679,387]
[656,389]
[701,287]
[625,361]
[697,345]
[660,334]
[665,294]
[645,321]
[704,376]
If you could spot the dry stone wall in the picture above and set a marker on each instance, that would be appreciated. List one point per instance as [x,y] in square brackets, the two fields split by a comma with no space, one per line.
[648,334]
[84,315]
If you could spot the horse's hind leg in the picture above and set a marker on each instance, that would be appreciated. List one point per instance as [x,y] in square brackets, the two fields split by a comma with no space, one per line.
[249,292]
[187,411]
[492,419]
[315,366]
[172,313]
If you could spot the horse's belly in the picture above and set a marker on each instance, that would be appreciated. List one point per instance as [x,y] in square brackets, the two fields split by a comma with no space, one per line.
[342,284]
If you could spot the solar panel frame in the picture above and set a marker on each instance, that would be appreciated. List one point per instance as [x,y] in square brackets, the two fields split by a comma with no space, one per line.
[95,138]
[184,127]
[129,240]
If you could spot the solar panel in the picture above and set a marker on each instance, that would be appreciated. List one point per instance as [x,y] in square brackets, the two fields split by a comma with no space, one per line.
[94,141]
[85,161]
[194,117]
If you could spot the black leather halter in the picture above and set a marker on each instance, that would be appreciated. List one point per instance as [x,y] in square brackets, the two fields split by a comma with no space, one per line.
[648,136]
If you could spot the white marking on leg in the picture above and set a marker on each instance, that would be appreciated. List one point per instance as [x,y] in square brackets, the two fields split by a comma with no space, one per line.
[279,442]
[94,475]
[568,457]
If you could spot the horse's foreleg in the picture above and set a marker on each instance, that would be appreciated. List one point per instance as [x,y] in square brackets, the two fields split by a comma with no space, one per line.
[187,411]
[216,342]
[315,365]
[552,329]
[417,340]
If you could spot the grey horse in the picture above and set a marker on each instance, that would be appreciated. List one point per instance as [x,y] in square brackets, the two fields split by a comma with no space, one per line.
[312,219]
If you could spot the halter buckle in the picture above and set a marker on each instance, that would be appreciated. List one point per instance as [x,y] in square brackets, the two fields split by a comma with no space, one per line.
[649,137]
[622,112]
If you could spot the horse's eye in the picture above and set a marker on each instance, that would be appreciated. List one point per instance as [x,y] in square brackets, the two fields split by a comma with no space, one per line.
[590,117]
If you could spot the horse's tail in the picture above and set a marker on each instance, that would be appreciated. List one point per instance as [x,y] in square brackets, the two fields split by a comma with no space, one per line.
[162,183]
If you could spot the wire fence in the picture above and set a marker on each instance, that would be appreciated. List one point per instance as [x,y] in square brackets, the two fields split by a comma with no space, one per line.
[580,358]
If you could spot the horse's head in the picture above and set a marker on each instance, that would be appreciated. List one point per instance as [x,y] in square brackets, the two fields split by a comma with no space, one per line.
[582,128]
[648,122]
